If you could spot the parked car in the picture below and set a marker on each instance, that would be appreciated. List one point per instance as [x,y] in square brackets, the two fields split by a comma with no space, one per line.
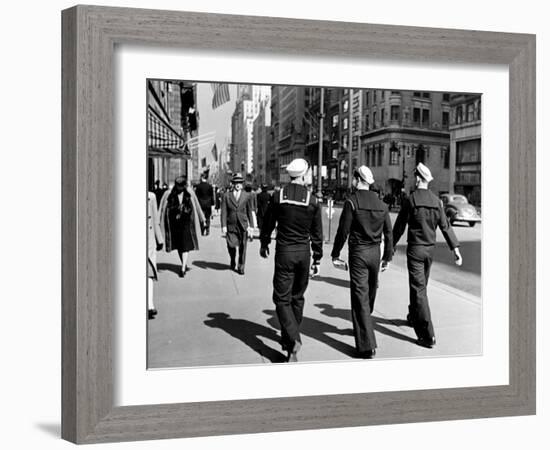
[458,209]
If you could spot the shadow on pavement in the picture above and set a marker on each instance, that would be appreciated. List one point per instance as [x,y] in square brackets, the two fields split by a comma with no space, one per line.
[162,266]
[318,330]
[332,280]
[248,333]
[331,311]
[211,265]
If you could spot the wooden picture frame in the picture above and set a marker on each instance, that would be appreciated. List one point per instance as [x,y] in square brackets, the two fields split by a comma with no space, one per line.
[90,34]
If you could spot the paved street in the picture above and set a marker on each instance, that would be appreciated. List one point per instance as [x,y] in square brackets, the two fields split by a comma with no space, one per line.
[215,317]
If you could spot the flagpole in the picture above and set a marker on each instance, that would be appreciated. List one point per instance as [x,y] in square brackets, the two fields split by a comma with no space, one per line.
[350,137]
[321,135]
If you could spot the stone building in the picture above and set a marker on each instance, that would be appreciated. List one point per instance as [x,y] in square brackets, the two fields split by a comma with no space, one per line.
[465,146]
[401,129]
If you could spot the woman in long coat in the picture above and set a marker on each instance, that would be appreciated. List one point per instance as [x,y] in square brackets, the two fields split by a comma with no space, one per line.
[181,218]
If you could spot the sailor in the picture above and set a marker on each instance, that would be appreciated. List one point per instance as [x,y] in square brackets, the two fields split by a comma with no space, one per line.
[297,216]
[423,212]
[365,219]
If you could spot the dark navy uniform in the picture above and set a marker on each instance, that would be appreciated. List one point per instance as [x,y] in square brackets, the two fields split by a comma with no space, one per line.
[423,212]
[299,226]
[365,218]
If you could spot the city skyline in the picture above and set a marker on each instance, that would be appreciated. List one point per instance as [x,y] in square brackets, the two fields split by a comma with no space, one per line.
[389,131]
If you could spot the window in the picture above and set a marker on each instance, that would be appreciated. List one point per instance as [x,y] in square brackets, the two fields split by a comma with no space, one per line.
[380,154]
[345,123]
[367,122]
[426,95]
[394,112]
[355,123]
[346,105]
[445,157]
[416,115]
[417,94]
[394,155]
[382,117]
[374,96]
[446,97]
[367,96]
[382,94]
[470,112]
[479,110]
[373,120]
[425,117]
[395,92]
[335,120]
[445,119]
[458,118]
[345,141]
[203,162]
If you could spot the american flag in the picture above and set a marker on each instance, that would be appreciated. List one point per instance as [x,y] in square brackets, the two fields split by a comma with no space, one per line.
[220,93]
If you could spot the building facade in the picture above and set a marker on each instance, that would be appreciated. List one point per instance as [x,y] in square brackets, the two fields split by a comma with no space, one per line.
[401,129]
[465,147]
[172,122]
[250,99]
[261,142]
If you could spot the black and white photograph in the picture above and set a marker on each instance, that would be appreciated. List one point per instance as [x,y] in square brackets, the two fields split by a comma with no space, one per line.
[311,224]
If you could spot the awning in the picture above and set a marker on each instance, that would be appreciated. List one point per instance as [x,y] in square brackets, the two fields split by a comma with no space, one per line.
[163,139]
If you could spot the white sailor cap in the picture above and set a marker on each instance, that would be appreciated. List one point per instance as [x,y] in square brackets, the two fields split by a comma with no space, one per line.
[297,167]
[423,172]
[365,174]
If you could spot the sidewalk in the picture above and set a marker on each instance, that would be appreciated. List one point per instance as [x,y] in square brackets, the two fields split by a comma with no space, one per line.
[215,317]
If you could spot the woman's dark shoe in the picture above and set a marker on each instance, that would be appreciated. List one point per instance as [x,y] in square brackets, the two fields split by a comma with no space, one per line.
[368,354]
[182,273]
[426,342]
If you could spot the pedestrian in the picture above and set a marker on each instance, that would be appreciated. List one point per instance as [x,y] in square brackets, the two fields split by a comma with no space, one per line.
[262,203]
[155,241]
[365,219]
[159,192]
[422,212]
[297,216]
[181,218]
[218,197]
[236,221]
[253,203]
[205,195]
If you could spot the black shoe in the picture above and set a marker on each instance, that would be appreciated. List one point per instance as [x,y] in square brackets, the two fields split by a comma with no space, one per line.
[182,273]
[233,266]
[152,313]
[426,342]
[240,270]
[368,354]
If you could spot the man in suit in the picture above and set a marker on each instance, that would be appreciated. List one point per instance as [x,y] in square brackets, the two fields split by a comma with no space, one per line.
[205,195]
[423,213]
[236,221]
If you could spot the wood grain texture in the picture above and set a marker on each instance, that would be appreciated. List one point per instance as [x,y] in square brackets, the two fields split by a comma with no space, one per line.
[89,36]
